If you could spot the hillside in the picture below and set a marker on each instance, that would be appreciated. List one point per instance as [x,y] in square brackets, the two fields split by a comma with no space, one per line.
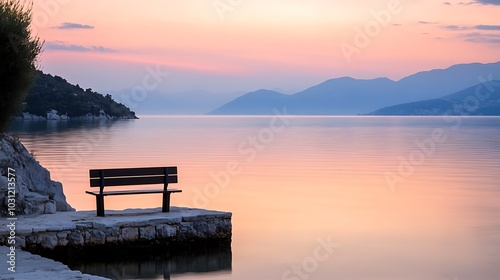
[250,104]
[349,96]
[479,100]
[52,97]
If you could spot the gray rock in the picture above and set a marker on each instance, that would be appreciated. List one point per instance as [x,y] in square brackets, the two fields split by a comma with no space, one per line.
[87,236]
[48,240]
[31,240]
[111,235]
[187,229]
[165,231]
[75,238]
[129,234]
[36,193]
[62,242]
[98,237]
[50,207]
[62,238]
[21,241]
[147,233]
[34,203]
[204,228]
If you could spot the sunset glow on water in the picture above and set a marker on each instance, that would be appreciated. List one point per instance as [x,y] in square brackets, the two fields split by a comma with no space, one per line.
[317,180]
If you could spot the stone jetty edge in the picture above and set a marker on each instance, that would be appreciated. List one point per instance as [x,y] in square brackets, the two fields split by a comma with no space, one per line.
[82,233]
[83,228]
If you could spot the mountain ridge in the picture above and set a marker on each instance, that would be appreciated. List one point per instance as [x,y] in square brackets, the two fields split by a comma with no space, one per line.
[350,96]
[480,100]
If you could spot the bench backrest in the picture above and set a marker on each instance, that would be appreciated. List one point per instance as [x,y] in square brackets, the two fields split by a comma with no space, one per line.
[133,176]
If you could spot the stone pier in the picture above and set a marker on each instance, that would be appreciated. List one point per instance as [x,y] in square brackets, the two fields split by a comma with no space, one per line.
[81,232]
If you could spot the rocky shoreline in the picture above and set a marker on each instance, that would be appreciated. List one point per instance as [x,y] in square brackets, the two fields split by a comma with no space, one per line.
[54,115]
[32,188]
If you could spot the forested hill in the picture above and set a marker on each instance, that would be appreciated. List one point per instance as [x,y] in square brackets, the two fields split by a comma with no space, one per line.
[52,97]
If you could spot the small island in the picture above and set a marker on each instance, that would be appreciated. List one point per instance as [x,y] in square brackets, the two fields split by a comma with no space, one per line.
[54,98]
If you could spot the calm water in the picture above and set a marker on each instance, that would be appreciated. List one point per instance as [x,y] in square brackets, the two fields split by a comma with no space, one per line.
[312,197]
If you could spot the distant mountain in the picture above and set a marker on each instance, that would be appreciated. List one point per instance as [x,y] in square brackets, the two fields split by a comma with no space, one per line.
[348,96]
[342,96]
[479,100]
[52,97]
[251,103]
[196,102]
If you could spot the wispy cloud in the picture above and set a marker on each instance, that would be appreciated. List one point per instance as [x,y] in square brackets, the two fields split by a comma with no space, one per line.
[484,33]
[456,27]
[427,22]
[478,37]
[477,27]
[72,25]
[488,27]
[477,2]
[62,46]
[488,2]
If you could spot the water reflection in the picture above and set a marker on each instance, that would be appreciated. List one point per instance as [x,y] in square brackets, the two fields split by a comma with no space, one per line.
[61,126]
[151,265]
[319,177]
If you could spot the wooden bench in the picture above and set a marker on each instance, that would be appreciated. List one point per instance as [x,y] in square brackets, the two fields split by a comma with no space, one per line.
[102,178]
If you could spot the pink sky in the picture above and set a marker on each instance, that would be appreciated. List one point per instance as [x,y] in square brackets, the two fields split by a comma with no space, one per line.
[243,45]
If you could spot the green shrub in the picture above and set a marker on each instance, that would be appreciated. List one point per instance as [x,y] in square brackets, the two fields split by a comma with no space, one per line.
[19,50]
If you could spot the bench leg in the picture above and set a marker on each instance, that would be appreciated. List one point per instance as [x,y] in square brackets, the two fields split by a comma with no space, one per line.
[100,205]
[166,202]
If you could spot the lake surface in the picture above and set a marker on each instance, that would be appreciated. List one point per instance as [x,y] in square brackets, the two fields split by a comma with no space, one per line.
[312,197]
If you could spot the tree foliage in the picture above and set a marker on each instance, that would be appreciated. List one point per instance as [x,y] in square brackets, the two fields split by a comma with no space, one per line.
[55,93]
[19,50]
